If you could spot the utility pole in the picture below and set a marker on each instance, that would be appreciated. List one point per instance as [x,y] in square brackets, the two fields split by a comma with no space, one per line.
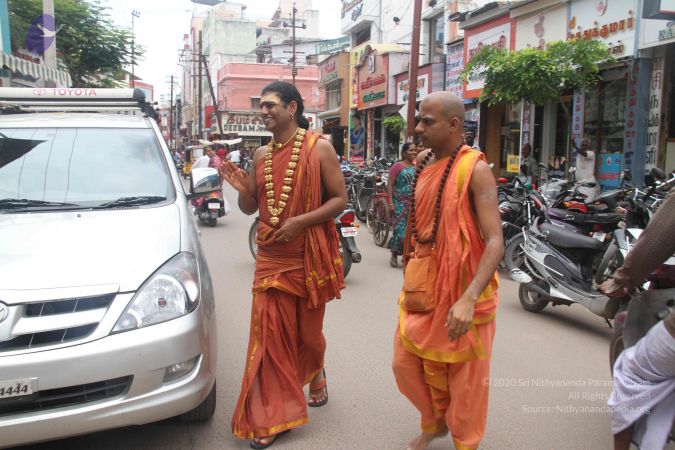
[199,87]
[49,47]
[414,62]
[294,67]
[171,142]
[213,94]
[134,15]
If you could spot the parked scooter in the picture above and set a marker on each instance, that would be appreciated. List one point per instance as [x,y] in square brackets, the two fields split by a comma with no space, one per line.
[344,223]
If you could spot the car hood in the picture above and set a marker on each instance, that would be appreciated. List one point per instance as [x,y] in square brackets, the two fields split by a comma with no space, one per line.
[52,250]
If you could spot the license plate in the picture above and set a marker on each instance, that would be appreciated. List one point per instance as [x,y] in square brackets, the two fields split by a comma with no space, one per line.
[349,231]
[214,206]
[17,388]
[599,236]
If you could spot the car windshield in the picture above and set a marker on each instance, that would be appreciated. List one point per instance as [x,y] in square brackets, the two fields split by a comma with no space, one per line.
[65,168]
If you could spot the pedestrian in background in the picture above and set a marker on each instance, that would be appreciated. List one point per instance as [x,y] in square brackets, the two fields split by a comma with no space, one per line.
[297,188]
[529,167]
[235,157]
[448,304]
[399,191]
[585,169]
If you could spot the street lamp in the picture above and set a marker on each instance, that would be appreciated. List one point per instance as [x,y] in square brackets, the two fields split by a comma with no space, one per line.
[134,15]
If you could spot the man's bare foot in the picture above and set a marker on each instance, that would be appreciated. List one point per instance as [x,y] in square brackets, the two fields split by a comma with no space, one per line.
[422,441]
[318,391]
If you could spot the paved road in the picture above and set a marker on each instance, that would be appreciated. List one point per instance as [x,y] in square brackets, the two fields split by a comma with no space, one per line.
[549,372]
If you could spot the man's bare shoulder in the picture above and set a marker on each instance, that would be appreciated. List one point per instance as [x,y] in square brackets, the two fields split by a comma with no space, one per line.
[482,178]
[325,149]
[260,152]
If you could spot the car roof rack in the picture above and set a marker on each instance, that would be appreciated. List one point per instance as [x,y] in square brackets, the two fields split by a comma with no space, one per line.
[29,100]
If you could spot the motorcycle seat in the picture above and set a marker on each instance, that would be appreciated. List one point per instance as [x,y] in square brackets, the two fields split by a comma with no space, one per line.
[604,218]
[569,239]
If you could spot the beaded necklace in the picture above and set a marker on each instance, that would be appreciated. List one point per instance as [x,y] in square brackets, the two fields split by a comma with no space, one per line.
[439,197]
[288,179]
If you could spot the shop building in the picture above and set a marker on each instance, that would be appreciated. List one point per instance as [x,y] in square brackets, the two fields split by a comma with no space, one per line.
[657,42]
[239,88]
[334,88]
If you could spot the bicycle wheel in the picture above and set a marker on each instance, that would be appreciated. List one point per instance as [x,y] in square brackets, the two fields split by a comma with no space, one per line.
[381,223]
[370,215]
[252,233]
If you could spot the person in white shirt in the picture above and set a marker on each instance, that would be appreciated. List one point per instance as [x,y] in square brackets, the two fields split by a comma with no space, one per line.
[585,172]
[202,161]
[235,157]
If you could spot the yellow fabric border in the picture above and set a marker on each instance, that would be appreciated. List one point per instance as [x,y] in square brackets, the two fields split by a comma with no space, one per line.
[460,446]
[268,432]
[446,357]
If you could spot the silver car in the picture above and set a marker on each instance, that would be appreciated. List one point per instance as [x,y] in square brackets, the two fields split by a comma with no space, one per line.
[106,303]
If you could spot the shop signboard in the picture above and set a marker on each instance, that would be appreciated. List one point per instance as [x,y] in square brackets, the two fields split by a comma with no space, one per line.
[332,45]
[354,59]
[513,163]
[372,88]
[403,88]
[540,29]
[356,11]
[656,32]
[609,170]
[655,103]
[612,22]
[357,138]
[578,117]
[329,70]
[454,65]
[244,124]
[499,33]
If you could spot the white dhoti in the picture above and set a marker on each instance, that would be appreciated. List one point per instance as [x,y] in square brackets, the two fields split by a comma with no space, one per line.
[644,389]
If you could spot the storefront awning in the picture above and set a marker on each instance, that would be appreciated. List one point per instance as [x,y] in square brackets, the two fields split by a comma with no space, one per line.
[330,114]
[37,71]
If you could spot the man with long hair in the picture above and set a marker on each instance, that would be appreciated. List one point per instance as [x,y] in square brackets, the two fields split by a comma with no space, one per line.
[297,187]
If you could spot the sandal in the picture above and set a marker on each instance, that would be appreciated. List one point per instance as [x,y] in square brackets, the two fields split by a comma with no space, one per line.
[259,445]
[321,387]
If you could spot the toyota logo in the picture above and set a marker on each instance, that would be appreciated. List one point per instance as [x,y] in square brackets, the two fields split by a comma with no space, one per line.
[4,311]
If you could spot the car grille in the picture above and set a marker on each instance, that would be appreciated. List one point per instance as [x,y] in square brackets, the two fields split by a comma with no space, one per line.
[55,322]
[68,396]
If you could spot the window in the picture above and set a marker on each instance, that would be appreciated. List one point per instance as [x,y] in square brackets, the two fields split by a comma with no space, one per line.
[73,165]
[362,36]
[604,116]
[333,94]
[436,39]
[255,103]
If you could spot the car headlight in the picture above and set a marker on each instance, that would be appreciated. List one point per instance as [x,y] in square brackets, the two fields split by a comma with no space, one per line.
[171,292]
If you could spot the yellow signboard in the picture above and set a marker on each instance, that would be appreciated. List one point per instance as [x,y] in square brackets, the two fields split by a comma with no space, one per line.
[513,163]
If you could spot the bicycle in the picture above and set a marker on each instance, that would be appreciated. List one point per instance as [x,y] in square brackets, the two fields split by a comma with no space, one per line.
[378,219]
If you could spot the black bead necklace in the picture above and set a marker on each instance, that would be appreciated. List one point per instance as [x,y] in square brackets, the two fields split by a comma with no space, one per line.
[437,207]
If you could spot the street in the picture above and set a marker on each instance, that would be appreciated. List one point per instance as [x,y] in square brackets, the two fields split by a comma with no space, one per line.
[550,374]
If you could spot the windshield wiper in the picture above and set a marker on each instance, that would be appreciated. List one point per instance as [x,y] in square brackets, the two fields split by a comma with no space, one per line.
[132,201]
[17,203]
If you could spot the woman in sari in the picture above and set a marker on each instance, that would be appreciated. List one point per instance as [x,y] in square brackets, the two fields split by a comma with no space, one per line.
[399,190]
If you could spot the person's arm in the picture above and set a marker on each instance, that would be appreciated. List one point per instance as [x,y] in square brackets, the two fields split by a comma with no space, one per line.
[483,192]
[393,174]
[653,248]
[245,184]
[334,195]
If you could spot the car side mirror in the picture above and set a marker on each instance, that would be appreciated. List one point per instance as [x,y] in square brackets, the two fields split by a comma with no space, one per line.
[204,180]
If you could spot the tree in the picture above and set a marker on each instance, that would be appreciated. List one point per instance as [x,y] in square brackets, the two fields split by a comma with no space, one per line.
[92,48]
[535,75]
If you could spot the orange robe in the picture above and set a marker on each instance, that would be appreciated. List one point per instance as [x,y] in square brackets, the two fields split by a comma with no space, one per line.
[446,380]
[293,281]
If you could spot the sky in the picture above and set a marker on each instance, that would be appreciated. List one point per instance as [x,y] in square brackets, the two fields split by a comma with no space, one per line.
[162,23]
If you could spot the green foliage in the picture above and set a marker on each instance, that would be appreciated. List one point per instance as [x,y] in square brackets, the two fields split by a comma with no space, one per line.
[537,75]
[394,123]
[93,49]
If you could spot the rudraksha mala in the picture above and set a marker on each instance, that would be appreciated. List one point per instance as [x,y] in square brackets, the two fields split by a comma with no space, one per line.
[439,196]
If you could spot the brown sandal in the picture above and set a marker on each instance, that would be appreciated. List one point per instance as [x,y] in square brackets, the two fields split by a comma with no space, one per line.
[321,387]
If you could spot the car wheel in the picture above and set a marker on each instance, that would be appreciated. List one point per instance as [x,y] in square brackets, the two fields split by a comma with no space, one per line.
[204,411]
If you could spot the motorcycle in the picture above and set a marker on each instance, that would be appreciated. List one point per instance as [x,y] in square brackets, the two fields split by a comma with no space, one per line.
[559,267]
[344,224]
[209,209]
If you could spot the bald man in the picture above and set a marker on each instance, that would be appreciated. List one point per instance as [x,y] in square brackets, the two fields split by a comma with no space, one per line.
[442,347]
